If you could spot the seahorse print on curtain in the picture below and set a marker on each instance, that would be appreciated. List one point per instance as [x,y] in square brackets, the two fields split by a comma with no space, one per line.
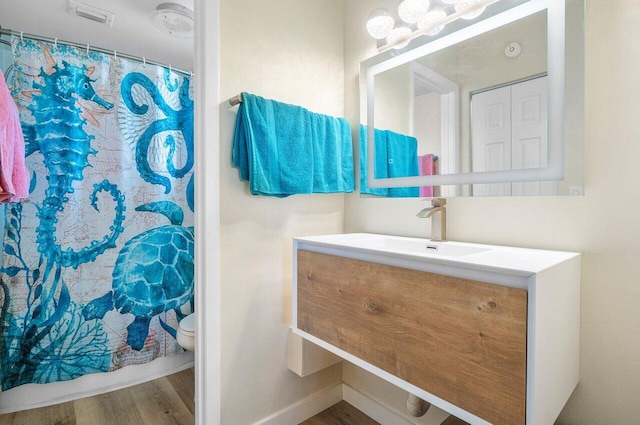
[97,267]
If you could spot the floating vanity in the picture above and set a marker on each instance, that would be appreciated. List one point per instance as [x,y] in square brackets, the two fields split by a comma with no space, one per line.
[488,333]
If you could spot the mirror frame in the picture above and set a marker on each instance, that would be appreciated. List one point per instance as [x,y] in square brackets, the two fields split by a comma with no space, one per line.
[556,74]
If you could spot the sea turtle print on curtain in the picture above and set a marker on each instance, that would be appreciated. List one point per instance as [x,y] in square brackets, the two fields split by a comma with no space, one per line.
[97,267]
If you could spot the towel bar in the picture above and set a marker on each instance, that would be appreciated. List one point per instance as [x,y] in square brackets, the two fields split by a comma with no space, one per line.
[236,100]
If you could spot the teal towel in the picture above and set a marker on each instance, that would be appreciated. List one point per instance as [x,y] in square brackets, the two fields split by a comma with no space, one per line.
[283,150]
[402,160]
[381,171]
[396,156]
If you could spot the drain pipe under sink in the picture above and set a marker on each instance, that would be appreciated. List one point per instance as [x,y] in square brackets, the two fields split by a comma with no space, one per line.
[416,406]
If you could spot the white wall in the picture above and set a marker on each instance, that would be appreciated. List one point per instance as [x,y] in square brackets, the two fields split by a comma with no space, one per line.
[290,51]
[393,100]
[427,124]
[604,225]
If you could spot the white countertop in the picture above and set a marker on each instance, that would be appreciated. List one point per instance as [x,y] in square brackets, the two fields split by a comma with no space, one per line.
[461,254]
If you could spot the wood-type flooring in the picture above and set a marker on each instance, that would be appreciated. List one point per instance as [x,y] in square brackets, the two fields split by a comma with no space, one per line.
[341,413]
[345,414]
[165,401]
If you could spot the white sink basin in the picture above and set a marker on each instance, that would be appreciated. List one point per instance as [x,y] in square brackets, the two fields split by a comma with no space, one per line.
[403,245]
[399,244]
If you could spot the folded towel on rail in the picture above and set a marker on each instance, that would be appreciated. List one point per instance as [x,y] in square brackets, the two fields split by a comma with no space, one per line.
[14,177]
[380,165]
[283,150]
[395,156]
[402,160]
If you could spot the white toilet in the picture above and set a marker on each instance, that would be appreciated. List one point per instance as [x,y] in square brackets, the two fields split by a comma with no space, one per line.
[186,332]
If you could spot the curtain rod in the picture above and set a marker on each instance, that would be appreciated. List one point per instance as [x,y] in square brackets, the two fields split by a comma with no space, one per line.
[114,53]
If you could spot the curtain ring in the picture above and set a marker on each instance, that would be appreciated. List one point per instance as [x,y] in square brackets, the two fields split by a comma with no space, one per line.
[21,36]
[191,74]
[144,62]
[170,70]
[115,55]
[55,43]
[87,50]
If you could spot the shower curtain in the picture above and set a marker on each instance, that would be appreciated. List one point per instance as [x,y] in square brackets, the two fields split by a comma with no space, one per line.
[97,266]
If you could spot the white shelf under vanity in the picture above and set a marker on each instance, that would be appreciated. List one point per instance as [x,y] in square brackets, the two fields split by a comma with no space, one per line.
[487,333]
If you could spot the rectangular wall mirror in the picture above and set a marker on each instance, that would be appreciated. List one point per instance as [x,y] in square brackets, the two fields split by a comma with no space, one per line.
[492,107]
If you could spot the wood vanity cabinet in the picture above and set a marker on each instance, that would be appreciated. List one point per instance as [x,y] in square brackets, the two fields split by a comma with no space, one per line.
[461,340]
[448,338]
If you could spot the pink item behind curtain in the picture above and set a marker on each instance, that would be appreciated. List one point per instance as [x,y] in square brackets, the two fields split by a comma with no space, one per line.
[426,167]
[14,177]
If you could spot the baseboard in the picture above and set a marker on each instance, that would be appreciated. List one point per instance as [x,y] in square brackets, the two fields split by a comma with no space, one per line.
[306,408]
[316,403]
[375,409]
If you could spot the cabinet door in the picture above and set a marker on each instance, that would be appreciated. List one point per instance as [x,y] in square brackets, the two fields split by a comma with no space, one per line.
[461,340]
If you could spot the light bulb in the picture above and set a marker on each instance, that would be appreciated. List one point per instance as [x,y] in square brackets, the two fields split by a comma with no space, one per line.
[411,11]
[431,22]
[380,23]
[462,5]
[396,34]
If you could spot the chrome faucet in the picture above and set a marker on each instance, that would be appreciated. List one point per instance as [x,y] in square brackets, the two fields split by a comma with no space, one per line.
[438,211]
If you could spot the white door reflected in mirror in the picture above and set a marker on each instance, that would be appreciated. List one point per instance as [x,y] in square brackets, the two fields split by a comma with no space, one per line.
[509,132]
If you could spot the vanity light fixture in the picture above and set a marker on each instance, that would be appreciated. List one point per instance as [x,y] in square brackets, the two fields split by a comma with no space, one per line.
[398,37]
[411,11]
[431,23]
[420,17]
[380,23]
